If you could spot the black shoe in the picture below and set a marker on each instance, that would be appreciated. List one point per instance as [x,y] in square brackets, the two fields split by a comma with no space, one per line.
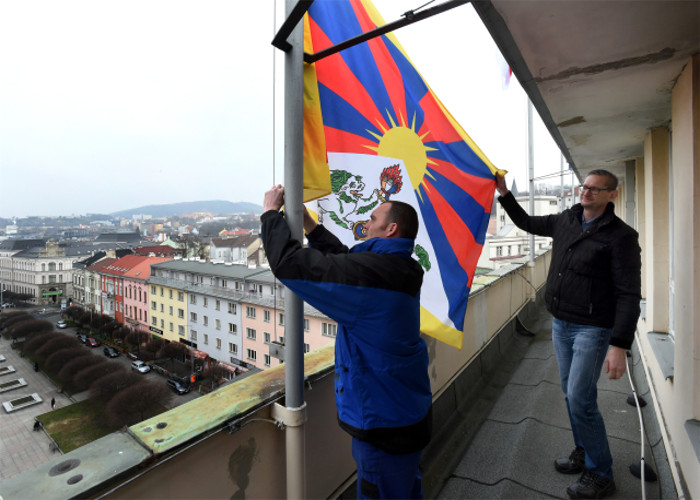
[591,485]
[575,464]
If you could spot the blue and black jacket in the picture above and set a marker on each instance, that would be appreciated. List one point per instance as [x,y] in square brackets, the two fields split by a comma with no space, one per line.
[382,387]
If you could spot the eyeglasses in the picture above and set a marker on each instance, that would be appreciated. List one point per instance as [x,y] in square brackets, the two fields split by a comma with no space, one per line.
[595,191]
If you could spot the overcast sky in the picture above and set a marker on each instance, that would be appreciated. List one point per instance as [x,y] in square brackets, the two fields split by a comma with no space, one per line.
[106,105]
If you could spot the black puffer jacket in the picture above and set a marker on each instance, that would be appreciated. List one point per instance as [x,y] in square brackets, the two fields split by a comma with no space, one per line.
[595,276]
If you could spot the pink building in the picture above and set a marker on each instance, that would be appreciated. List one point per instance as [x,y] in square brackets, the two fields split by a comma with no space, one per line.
[263,325]
[136,292]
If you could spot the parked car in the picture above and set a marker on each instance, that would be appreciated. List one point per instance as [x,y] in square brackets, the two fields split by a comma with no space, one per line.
[178,387]
[110,352]
[140,366]
[82,337]
[61,323]
[7,305]
[92,342]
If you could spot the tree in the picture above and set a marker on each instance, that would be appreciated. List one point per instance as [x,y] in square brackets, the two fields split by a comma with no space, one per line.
[215,373]
[84,378]
[26,328]
[54,344]
[121,333]
[74,366]
[105,388]
[38,340]
[10,319]
[59,358]
[154,345]
[172,350]
[138,402]
[136,338]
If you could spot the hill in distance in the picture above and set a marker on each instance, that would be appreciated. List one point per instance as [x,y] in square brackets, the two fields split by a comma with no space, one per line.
[216,207]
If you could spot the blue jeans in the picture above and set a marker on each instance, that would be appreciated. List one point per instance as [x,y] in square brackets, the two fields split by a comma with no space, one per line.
[580,351]
[383,475]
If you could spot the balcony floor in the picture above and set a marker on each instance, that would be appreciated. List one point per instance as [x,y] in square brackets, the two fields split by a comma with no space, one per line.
[512,453]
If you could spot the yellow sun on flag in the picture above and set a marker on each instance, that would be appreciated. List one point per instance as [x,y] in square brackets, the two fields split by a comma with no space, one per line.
[401,141]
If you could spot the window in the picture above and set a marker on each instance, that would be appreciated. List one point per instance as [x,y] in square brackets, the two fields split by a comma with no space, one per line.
[232,328]
[218,343]
[171,310]
[181,330]
[206,339]
[266,337]
[162,308]
[250,312]
[232,348]
[499,251]
[193,299]
[193,335]
[218,324]
[162,323]
[154,321]
[181,296]
[266,316]
[205,302]
[180,313]
[224,283]
[193,317]
[252,355]
[281,319]
[251,333]
[218,305]
[306,325]
[329,330]
[170,294]
[205,320]
[171,327]
[161,291]
[231,308]
[267,359]
[153,289]
[307,348]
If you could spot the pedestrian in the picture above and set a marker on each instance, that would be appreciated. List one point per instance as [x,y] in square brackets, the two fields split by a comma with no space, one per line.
[372,290]
[593,292]
[53,403]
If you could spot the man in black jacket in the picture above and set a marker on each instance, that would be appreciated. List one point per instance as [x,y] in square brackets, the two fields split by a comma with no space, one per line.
[593,292]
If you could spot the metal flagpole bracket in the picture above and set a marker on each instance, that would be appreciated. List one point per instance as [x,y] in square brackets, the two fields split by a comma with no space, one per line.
[289,417]
[280,40]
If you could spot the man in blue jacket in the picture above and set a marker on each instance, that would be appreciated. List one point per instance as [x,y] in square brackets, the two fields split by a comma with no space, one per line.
[372,290]
[593,292]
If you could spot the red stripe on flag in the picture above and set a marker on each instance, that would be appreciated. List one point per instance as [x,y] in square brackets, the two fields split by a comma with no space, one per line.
[457,233]
[342,141]
[436,122]
[479,188]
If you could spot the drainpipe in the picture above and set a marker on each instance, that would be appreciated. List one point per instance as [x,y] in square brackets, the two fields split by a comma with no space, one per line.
[294,414]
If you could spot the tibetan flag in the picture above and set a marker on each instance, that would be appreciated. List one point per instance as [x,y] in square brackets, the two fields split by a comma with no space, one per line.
[388,137]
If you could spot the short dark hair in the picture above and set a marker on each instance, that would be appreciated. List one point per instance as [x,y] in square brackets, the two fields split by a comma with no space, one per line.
[612,178]
[405,216]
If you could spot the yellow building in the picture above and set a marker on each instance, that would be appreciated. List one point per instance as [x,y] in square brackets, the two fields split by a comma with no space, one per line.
[168,307]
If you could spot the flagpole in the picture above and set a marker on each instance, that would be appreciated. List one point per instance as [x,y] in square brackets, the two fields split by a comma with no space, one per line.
[531,170]
[294,307]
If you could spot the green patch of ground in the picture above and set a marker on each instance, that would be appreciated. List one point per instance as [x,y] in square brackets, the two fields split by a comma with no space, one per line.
[76,425]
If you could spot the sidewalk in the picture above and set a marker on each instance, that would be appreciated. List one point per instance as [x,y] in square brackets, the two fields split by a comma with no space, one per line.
[21,448]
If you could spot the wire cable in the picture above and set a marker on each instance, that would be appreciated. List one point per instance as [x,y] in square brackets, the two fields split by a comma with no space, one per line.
[641,425]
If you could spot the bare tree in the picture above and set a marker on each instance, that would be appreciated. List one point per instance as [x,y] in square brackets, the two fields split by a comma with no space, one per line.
[59,342]
[56,360]
[9,319]
[137,403]
[26,328]
[136,339]
[75,365]
[120,333]
[154,345]
[84,378]
[215,373]
[172,350]
[105,388]
[38,340]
